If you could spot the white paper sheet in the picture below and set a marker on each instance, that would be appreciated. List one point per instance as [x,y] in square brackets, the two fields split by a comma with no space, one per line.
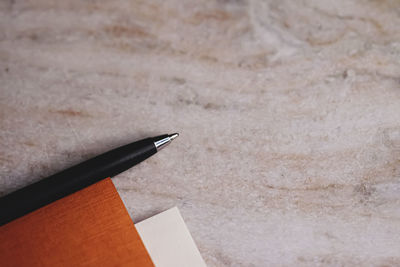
[168,240]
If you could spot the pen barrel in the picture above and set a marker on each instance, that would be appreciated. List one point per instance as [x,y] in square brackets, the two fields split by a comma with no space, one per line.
[59,185]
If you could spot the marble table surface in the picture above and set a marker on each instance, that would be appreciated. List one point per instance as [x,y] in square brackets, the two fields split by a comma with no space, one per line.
[289,115]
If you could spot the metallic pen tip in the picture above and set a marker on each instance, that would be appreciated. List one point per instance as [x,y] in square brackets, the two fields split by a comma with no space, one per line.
[162,141]
[173,136]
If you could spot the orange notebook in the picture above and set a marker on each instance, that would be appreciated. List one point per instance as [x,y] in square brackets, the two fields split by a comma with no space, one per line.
[88,228]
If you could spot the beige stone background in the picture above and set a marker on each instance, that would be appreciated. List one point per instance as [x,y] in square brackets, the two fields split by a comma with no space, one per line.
[289,115]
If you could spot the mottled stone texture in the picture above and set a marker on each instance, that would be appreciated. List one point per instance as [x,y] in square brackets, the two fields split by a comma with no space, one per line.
[289,115]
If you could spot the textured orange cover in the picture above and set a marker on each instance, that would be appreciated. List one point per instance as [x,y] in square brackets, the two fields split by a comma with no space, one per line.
[88,228]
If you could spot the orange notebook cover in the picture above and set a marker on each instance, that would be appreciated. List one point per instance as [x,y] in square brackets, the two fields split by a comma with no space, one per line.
[88,228]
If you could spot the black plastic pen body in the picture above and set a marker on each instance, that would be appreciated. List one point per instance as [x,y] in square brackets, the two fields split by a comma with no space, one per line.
[71,180]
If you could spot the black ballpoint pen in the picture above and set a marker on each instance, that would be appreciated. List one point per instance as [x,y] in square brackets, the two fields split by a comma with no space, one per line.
[57,186]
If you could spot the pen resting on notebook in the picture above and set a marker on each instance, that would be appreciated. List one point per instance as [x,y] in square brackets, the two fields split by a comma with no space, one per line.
[54,187]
